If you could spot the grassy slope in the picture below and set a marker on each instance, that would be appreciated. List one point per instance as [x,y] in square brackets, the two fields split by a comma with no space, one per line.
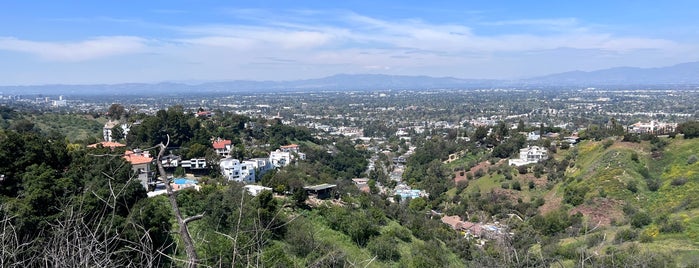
[74,127]
[612,169]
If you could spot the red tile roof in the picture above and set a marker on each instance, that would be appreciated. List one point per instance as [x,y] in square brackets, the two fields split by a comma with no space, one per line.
[221,144]
[107,144]
[291,146]
[137,158]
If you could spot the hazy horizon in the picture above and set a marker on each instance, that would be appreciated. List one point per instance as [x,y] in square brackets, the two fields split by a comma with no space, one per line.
[145,42]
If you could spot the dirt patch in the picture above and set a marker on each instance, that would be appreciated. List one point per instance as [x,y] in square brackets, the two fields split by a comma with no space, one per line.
[482,166]
[552,202]
[601,211]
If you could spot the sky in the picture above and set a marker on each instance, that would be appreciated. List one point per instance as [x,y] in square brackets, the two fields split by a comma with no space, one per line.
[107,42]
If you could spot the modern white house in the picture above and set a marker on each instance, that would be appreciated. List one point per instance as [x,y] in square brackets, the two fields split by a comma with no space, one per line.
[280,158]
[234,170]
[107,129]
[530,155]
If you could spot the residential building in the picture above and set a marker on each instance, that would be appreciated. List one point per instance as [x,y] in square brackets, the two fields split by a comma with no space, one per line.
[234,170]
[106,144]
[140,164]
[529,155]
[194,163]
[255,190]
[107,129]
[280,158]
[222,147]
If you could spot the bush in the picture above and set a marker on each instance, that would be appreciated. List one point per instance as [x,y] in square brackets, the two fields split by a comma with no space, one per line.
[631,186]
[640,219]
[594,239]
[678,182]
[516,186]
[531,185]
[575,195]
[522,169]
[505,185]
[607,143]
[653,184]
[384,247]
[692,159]
[625,235]
[673,226]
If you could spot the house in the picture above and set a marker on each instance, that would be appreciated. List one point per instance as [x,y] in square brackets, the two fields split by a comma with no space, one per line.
[529,155]
[194,163]
[106,144]
[254,190]
[294,150]
[279,158]
[140,164]
[107,129]
[234,170]
[170,161]
[321,191]
[222,147]
[362,184]
[204,114]
[652,127]
[533,136]
[260,165]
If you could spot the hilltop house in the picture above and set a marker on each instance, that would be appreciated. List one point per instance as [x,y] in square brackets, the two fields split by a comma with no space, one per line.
[222,147]
[529,155]
[107,144]
[140,164]
[107,129]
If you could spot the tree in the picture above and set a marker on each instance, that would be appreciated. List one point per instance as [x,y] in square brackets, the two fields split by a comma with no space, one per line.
[690,129]
[116,111]
[117,133]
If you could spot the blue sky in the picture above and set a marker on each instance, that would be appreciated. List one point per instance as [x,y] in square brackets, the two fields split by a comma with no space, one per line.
[83,42]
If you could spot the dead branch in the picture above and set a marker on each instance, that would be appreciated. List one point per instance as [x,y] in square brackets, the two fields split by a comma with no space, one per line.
[192,259]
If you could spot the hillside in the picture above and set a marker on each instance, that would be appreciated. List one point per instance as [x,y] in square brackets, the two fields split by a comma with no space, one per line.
[629,197]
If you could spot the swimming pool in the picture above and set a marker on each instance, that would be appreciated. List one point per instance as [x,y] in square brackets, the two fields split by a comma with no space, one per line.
[184,181]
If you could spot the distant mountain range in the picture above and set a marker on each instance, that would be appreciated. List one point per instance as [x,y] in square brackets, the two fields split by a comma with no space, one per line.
[685,74]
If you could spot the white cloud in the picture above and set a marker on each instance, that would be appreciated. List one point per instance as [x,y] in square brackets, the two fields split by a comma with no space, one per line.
[94,48]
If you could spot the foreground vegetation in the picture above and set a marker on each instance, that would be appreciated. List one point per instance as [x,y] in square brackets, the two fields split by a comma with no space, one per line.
[614,199]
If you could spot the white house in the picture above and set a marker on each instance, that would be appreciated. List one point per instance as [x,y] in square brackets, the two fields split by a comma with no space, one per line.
[280,158]
[107,129]
[530,155]
[261,165]
[533,136]
[194,163]
[234,170]
[254,190]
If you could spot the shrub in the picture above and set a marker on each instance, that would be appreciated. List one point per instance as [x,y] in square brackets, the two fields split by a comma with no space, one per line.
[640,219]
[594,239]
[522,169]
[625,235]
[505,185]
[607,143]
[692,159]
[653,184]
[532,185]
[631,186]
[678,182]
[575,195]
[673,226]
[384,247]
[516,186]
